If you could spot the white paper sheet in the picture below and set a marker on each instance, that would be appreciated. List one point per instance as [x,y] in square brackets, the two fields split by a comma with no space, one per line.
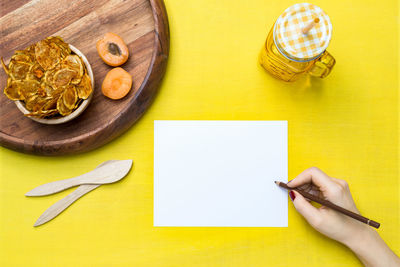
[220,173]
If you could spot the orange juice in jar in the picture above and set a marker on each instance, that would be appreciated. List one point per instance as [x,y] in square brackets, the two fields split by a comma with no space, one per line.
[297,44]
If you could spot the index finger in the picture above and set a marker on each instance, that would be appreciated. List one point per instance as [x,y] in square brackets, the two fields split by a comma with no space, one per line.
[312,175]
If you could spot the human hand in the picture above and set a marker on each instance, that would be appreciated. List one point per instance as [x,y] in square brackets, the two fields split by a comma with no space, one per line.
[364,241]
[325,220]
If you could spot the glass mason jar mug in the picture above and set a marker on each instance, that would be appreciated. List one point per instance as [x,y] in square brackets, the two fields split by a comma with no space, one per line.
[297,44]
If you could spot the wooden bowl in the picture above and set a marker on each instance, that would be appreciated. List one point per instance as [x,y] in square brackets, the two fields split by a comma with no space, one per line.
[76,112]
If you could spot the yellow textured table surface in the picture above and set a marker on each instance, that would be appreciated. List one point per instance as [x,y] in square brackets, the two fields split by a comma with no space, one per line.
[346,124]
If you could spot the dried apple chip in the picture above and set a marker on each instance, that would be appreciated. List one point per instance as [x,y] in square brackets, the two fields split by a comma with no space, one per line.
[75,63]
[63,77]
[70,97]
[47,54]
[28,88]
[64,47]
[84,88]
[18,69]
[12,90]
[62,109]
[49,75]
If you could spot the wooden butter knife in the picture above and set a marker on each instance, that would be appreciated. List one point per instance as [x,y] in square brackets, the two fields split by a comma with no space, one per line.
[107,172]
[64,203]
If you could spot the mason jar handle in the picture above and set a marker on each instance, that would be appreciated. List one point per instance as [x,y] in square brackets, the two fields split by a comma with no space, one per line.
[323,65]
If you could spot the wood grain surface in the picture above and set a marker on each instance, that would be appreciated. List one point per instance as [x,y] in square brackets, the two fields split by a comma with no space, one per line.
[143,24]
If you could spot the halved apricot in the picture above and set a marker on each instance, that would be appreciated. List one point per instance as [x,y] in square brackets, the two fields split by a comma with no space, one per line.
[112,49]
[117,83]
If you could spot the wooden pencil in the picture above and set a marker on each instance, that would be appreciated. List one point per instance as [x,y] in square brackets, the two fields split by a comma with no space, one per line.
[328,204]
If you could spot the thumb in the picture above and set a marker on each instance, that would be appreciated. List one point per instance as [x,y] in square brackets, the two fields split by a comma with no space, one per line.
[308,211]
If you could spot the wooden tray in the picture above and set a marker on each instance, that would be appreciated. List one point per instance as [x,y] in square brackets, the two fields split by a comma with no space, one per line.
[143,24]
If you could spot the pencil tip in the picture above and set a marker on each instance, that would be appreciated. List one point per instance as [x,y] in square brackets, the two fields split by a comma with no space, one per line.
[276,182]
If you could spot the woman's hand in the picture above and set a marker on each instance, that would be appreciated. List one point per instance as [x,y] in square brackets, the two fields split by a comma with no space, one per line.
[326,221]
[359,237]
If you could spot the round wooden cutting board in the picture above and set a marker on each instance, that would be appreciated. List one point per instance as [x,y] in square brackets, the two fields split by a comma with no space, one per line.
[143,24]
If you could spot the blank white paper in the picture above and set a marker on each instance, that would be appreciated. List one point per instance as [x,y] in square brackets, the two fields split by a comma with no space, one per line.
[220,173]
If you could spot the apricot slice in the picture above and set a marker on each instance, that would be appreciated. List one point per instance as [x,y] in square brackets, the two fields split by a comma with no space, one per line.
[112,49]
[117,83]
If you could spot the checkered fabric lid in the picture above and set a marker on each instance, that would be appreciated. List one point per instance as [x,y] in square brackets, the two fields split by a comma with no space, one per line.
[290,39]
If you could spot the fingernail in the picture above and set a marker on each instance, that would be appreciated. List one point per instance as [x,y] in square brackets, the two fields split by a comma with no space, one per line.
[292,196]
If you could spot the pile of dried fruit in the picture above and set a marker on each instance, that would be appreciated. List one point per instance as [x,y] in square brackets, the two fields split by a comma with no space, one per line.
[48,78]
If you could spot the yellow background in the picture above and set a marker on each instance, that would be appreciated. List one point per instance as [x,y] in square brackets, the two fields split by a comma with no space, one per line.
[346,124]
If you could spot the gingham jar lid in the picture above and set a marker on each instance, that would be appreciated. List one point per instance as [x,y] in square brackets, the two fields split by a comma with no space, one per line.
[290,39]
